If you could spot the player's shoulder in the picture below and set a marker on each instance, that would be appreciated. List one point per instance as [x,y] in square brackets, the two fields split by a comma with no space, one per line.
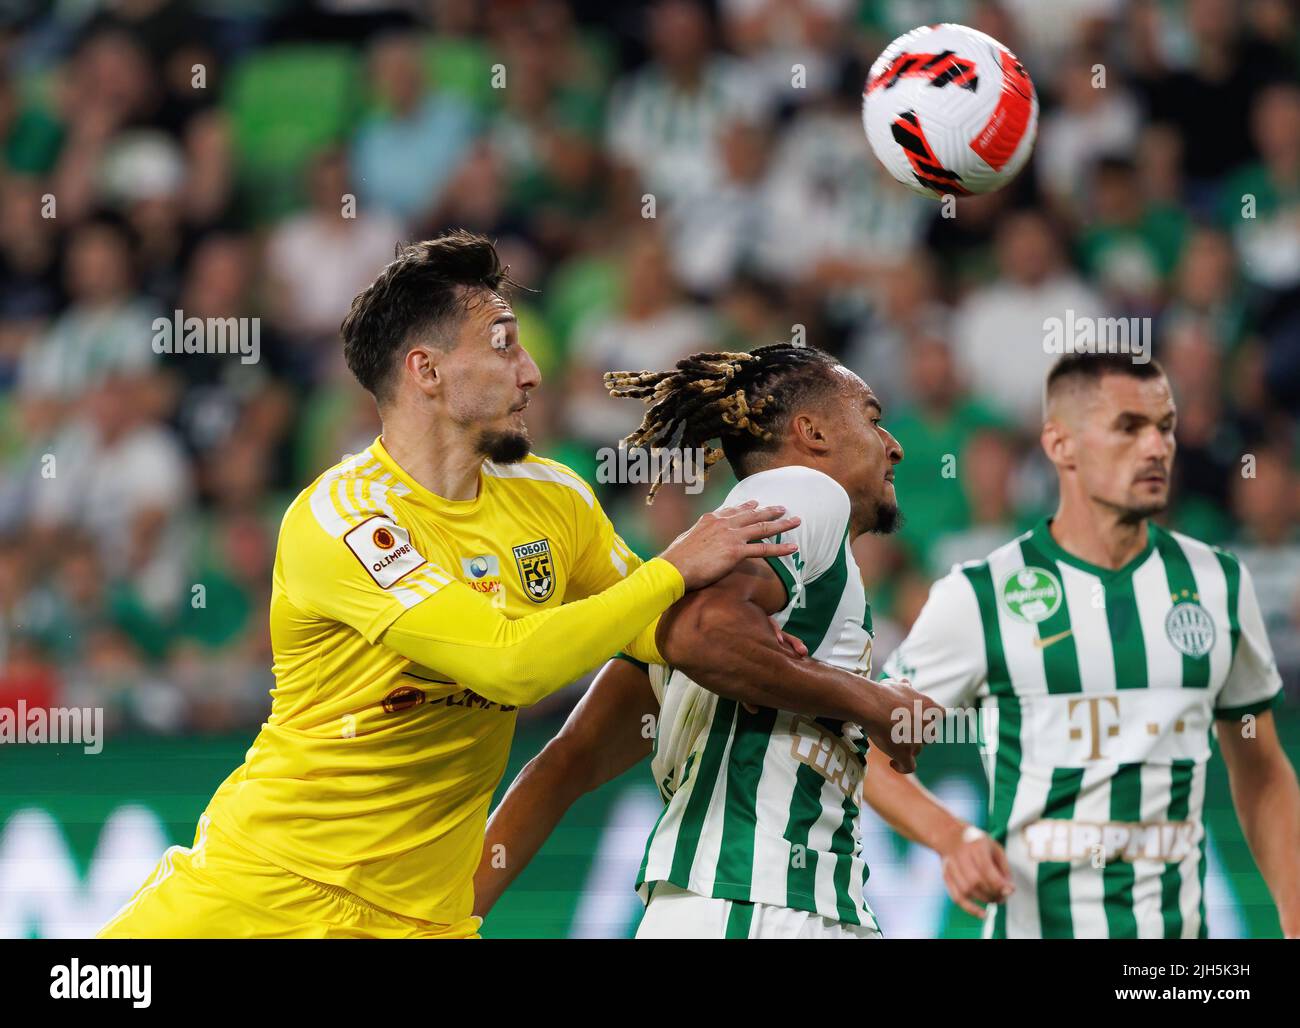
[789,483]
[543,475]
[965,578]
[1194,548]
[354,490]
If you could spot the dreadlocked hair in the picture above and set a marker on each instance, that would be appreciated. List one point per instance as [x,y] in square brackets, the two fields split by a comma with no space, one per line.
[740,399]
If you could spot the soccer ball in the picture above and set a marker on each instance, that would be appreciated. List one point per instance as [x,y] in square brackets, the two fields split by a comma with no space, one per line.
[949,110]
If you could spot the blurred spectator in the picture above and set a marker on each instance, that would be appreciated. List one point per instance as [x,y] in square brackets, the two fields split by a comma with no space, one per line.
[228,409]
[655,327]
[905,306]
[1269,545]
[408,149]
[665,119]
[989,467]
[548,132]
[835,218]
[1262,201]
[123,481]
[714,234]
[106,328]
[109,87]
[1206,290]
[30,290]
[1206,99]
[780,39]
[935,429]
[321,258]
[1132,244]
[1096,115]
[1000,330]
[1210,440]
[78,600]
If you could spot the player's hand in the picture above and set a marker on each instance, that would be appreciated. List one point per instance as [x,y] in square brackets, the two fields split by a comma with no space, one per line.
[976,871]
[718,542]
[893,725]
[792,644]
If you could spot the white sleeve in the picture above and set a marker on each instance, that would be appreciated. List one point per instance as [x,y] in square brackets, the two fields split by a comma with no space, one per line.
[943,655]
[1253,680]
[823,508]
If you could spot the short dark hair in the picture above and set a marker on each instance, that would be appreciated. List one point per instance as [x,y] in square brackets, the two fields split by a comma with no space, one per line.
[1092,367]
[425,287]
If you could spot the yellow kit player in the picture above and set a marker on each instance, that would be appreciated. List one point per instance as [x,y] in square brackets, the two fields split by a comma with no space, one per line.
[423,591]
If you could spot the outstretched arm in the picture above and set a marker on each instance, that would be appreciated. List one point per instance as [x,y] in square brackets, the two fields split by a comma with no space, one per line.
[518,661]
[975,868]
[610,729]
[720,638]
[1267,798]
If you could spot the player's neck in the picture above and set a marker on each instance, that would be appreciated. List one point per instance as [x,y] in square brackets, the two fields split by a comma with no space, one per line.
[444,460]
[1097,534]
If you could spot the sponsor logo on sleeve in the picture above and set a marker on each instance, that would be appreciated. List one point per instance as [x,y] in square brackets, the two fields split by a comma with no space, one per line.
[384,549]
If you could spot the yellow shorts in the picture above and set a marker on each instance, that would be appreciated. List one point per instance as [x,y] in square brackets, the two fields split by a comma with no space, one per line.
[218,890]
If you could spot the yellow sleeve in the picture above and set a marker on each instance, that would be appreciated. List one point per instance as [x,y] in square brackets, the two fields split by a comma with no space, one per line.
[603,557]
[363,571]
[643,647]
[518,661]
[603,561]
[369,576]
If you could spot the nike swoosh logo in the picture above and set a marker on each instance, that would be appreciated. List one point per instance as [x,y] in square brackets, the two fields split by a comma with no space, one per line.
[1047,641]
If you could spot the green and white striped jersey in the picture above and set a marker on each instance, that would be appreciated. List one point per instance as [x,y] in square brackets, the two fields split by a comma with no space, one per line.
[1097,691]
[764,807]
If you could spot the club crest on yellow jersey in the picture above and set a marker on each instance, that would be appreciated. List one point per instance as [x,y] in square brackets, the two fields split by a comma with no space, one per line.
[536,570]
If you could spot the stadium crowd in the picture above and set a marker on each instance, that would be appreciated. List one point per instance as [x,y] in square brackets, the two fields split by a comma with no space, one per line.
[662,178]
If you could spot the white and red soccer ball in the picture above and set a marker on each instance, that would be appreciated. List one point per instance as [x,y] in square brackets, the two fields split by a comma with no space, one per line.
[949,110]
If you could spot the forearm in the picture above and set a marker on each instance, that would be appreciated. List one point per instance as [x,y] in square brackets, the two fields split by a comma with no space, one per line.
[1267,797]
[729,648]
[529,812]
[605,735]
[910,808]
[518,661]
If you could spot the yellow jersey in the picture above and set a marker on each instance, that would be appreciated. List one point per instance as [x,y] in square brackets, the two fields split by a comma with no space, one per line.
[407,629]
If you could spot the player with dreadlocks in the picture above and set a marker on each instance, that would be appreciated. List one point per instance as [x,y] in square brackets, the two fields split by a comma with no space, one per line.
[758,752]
[728,396]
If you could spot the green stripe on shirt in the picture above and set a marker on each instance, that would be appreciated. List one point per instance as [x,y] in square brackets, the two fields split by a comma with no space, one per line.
[1183,589]
[1118,875]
